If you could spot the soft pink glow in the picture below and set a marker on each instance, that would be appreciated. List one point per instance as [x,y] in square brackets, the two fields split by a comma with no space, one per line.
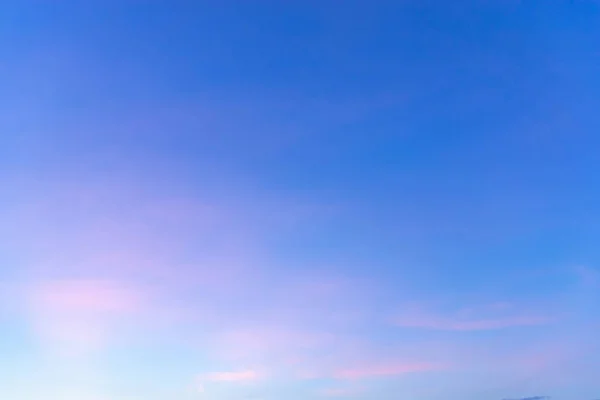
[126,265]
[86,296]
[80,315]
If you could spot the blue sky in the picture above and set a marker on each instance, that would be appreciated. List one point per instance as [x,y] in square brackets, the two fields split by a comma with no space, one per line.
[266,199]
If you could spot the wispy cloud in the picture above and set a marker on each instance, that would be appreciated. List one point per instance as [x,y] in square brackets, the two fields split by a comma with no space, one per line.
[385,369]
[481,319]
[471,325]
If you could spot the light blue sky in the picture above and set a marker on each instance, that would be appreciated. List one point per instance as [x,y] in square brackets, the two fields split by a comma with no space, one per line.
[300,200]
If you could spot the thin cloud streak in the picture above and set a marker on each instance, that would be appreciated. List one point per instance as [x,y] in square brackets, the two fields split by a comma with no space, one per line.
[385,370]
[473,325]
[482,319]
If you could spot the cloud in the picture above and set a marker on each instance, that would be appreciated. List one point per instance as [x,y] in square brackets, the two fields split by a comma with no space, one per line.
[384,370]
[490,317]
[472,325]
[248,375]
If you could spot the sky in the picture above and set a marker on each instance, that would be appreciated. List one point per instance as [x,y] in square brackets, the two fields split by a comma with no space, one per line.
[266,200]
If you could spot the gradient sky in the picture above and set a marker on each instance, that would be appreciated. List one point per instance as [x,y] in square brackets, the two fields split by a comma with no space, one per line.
[267,200]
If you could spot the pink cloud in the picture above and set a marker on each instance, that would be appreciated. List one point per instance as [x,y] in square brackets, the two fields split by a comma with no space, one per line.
[249,375]
[383,370]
